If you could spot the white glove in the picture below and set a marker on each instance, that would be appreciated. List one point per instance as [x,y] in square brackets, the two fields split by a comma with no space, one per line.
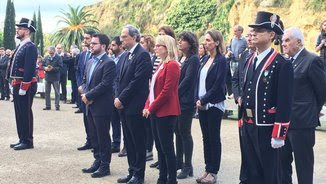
[277,143]
[22,92]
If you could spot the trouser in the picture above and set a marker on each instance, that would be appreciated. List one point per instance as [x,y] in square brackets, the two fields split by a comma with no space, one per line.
[184,142]
[23,112]
[4,85]
[99,127]
[116,128]
[163,128]
[149,135]
[74,91]
[210,124]
[262,160]
[55,85]
[300,142]
[135,141]
[243,167]
[63,83]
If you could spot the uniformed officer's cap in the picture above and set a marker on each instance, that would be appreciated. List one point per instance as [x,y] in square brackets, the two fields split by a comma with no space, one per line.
[269,21]
[27,23]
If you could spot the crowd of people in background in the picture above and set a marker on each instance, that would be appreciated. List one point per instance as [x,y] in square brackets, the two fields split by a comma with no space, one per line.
[151,87]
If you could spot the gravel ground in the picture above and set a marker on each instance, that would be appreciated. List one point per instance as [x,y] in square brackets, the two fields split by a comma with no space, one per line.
[56,160]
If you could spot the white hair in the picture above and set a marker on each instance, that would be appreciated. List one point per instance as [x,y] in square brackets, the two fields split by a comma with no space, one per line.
[296,33]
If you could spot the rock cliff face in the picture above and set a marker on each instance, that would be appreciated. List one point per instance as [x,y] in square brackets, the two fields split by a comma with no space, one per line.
[295,14]
[149,15]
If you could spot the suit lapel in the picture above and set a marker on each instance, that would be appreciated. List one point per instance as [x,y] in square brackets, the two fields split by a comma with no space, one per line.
[299,59]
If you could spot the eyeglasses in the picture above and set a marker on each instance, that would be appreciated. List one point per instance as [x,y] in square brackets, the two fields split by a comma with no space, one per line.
[159,45]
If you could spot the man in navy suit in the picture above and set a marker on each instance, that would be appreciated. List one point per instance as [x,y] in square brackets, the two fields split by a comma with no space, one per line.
[131,94]
[119,56]
[97,94]
[22,71]
[81,64]
[309,94]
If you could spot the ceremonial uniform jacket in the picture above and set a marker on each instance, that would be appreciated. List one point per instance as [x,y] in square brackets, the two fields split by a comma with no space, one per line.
[23,64]
[268,93]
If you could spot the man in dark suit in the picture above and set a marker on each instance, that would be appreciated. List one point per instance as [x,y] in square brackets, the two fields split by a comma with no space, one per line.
[52,65]
[237,86]
[80,72]
[119,56]
[4,83]
[63,71]
[309,97]
[131,94]
[22,71]
[74,51]
[97,94]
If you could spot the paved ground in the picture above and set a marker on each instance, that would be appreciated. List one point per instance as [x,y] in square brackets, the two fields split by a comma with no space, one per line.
[56,160]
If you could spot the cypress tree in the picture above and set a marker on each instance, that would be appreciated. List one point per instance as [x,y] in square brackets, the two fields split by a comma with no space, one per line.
[33,34]
[40,32]
[9,30]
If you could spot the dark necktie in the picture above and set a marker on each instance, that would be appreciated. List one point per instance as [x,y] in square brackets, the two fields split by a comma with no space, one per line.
[254,64]
[292,59]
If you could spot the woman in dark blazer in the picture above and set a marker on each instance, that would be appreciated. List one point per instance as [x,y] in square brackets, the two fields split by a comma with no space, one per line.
[210,103]
[188,45]
[163,106]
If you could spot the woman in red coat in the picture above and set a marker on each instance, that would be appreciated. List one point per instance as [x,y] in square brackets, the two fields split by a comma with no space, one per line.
[163,106]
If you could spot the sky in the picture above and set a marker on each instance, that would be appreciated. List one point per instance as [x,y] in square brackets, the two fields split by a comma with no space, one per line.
[49,10]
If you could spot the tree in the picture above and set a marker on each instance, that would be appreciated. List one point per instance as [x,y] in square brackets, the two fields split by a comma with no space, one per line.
[9,30]
[39,33]
[33,35]
[77,21]
[1,39]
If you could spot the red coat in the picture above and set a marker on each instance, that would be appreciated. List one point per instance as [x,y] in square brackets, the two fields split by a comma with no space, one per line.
[166,100]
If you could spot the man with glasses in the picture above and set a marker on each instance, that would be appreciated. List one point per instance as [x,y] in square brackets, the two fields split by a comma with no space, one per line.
[266,103]
[22,71]
[97,95]
[131,94]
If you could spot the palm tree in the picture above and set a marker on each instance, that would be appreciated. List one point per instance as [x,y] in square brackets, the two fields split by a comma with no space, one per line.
[77,21]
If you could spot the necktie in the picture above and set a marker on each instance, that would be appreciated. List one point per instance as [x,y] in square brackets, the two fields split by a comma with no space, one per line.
[292,59]
[255,62]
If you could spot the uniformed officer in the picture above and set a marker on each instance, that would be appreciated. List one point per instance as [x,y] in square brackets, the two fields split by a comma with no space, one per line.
[23,74]
[266,103]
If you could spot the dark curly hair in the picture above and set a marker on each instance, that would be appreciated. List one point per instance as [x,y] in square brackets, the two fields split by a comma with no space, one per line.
[192,40]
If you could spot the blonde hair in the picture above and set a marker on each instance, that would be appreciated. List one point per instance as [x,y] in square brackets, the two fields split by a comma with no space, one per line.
[170,45]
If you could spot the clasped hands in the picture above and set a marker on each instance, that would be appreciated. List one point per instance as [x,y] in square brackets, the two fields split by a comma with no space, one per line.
[117,103]
[48,68]
[83,95]
[199,105]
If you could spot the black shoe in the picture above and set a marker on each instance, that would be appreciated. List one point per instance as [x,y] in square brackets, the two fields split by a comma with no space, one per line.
[115,150]
[135,180]
[154,165]
[23,146]
[71,102]
[123,153]
[79,111]
[103,170]
[93,168]
[2,98]
[185,172]
[13,145]
[125,179]
[75,107]
[85,147]
[46,108]
[7,98]
[57,108]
